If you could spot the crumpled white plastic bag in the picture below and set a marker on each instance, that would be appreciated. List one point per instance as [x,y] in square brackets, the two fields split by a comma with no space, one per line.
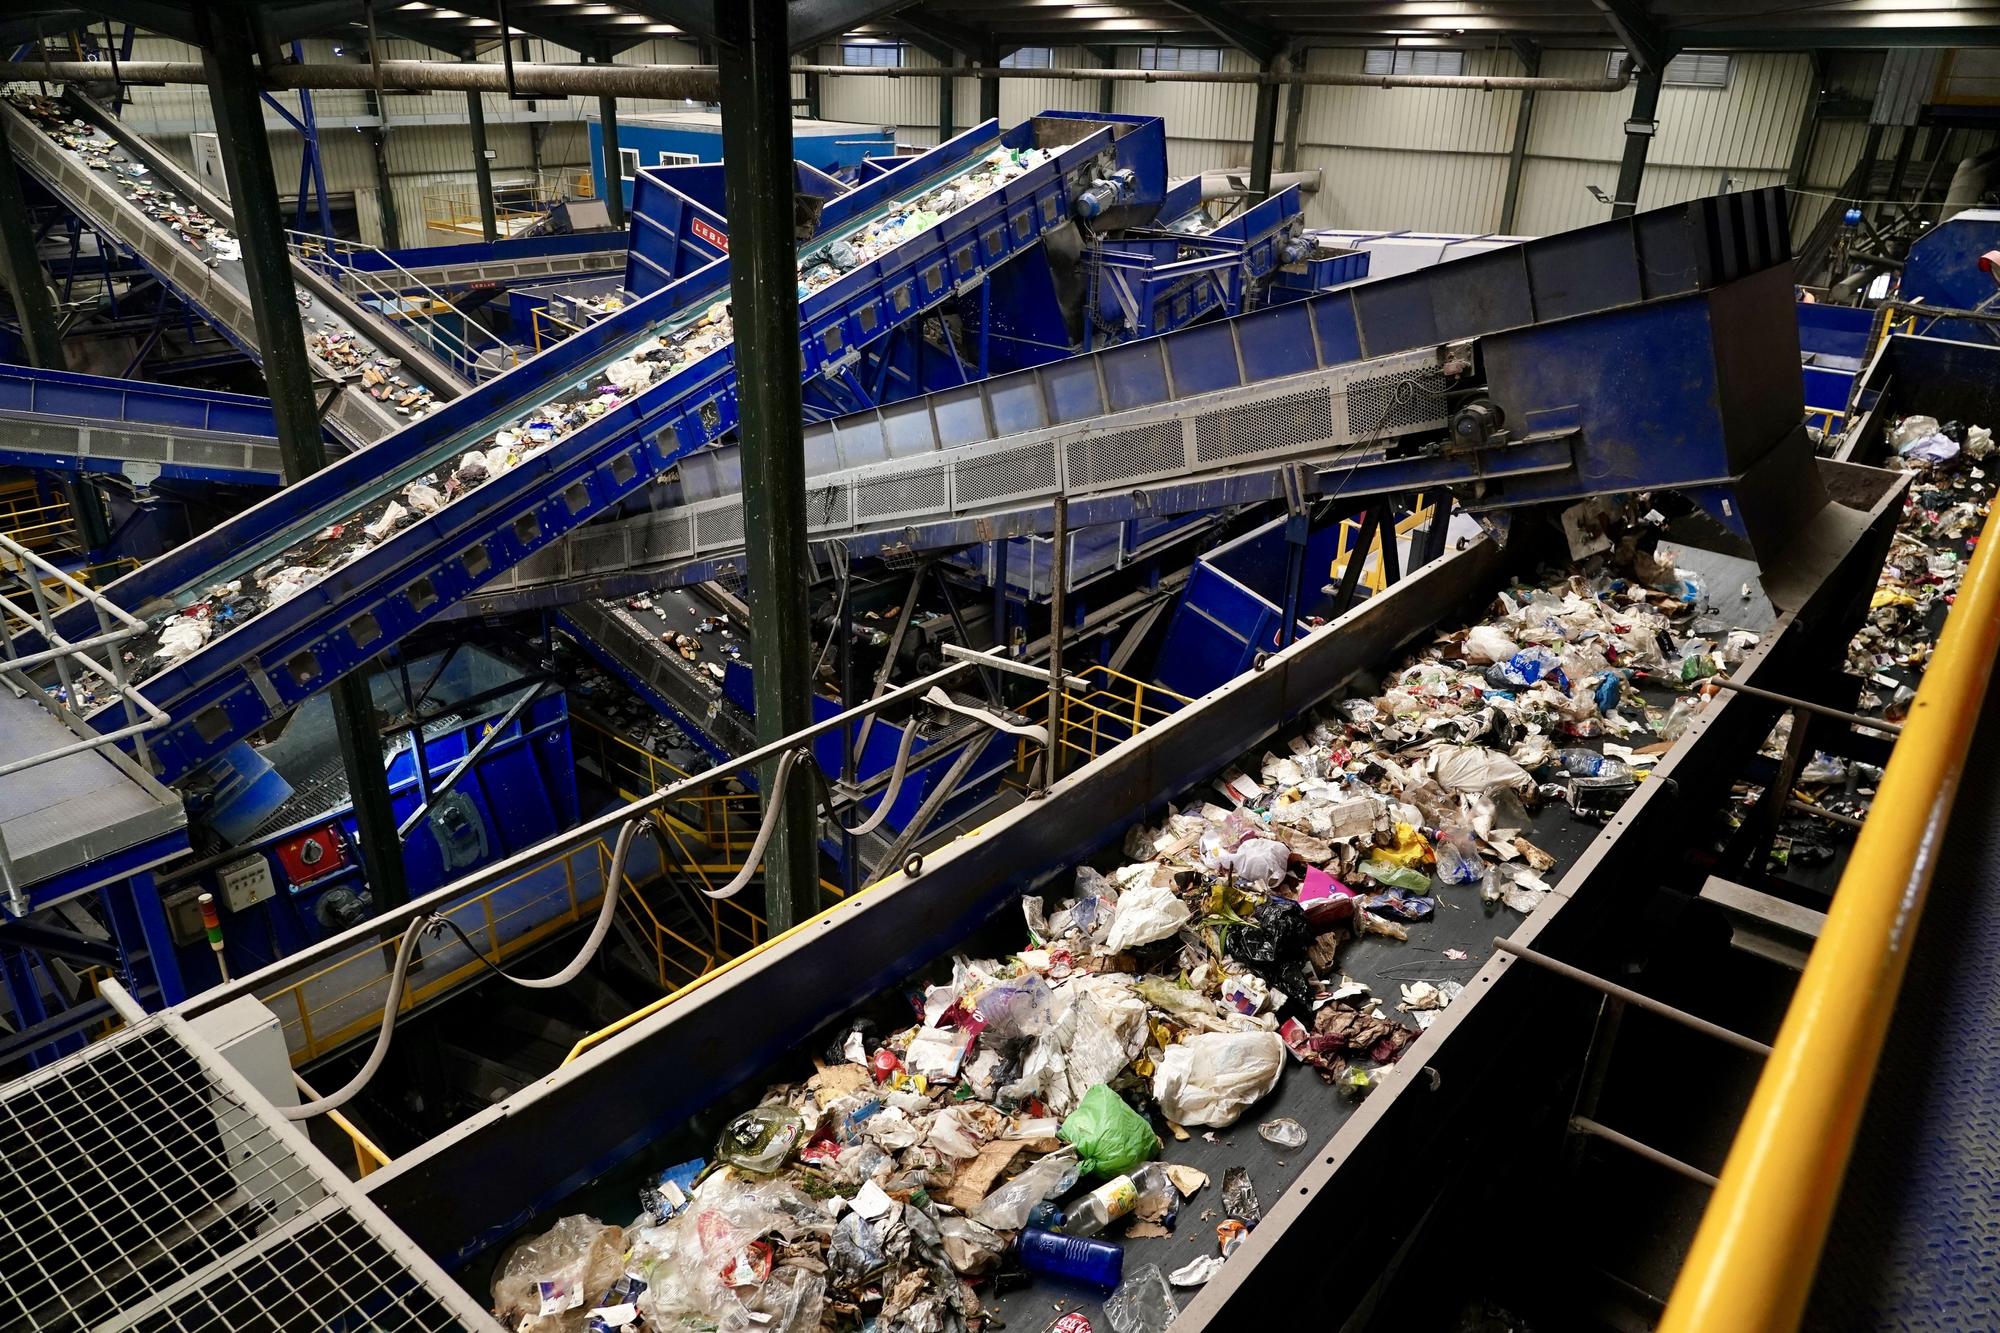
[1211,1079]
[1146,915]
[1488,643]
[1474,768]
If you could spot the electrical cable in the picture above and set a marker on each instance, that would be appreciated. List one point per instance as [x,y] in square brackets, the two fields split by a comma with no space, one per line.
[774,802]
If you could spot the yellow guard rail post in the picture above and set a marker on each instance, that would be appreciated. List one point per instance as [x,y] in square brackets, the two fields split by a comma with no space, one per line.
[1753,1260]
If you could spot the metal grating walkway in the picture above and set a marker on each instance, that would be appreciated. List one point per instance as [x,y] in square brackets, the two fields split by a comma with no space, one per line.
[1915,1242]
[144,1185]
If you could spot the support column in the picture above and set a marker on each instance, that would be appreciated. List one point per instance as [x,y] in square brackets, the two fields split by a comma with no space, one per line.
[385,193]
[21,271]
[1295,105]
[812,96]
[947,94]
[253,196]
[607,117]
[1639,128]
[1107,89]
[1264,133]
[989,89]
[755,71]
[1517,156]
[482,165]
[1808,135]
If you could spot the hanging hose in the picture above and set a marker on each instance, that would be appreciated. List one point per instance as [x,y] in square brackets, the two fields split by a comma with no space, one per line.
[897,772]
[333,1101]
[399,973]
[773,802]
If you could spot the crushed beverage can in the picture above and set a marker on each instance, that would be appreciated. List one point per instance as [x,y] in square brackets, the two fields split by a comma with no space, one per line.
[1076,1321]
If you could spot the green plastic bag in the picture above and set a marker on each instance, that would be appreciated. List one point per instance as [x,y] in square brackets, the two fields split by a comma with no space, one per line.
[1394,876]
[1108,1135]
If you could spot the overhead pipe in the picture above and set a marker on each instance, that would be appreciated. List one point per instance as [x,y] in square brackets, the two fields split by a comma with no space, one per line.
[699,81]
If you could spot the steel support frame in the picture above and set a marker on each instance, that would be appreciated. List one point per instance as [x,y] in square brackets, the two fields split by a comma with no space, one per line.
[482,165]
[1640,126]
[21,271]
[234,94]
[614,176]
[1524,118]
[1264,133]
[753,58]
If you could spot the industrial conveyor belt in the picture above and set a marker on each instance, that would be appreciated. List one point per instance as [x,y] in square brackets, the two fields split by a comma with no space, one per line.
[105,191]
[66,422]
[977,214]
[1913,1237]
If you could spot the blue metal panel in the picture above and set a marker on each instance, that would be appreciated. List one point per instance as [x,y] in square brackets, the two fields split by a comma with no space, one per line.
[105,398]
[1943,267]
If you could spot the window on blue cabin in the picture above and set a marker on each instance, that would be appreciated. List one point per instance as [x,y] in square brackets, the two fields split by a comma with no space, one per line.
[1413,60]
[628,163]
[875,55]
[677,159]
[1200,59]
[1028,57]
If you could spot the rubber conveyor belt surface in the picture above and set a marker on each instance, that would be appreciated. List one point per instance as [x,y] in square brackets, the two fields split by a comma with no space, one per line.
[1917,1229]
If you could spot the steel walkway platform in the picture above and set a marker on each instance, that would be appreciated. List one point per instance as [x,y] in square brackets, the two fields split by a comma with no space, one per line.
[60,421]
[1915,1242]
[79,819]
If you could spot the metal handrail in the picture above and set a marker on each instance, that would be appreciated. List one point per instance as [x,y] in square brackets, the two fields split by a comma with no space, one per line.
[1753,1260]
[392,296]
[114,626]
[366,939]
[1127,709]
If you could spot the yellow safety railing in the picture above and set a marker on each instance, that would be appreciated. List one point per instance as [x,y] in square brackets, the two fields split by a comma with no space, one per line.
[732,927]
[1827,417]
[1113,709]
[61,595]
[34,522]
[343,1000]
[1753,1260]
[454,209]
[1886,322]
[1374,576]
[548,328]
[367,1157]
[724,823]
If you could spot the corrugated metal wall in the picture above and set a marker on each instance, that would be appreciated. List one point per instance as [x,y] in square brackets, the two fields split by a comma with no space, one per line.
[1436,159]
[1429,159]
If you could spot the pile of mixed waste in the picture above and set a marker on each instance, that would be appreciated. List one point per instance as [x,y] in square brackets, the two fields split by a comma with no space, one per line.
[657,357]
[1013,1124]
[1943,513]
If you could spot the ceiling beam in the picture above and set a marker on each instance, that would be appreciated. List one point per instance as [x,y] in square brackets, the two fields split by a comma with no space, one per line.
[1639,31]
[1253,39]
[696,18]
[813,21]
[933,33]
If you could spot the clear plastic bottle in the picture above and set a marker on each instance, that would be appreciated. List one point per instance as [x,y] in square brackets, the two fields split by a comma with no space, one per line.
[1101,1207]
[1117,1197]
[1097,1263]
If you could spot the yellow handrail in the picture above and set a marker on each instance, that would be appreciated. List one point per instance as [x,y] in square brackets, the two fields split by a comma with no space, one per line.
[367,1157]
[1116,708]
[1753,1260]
[1373,576]
[542,315]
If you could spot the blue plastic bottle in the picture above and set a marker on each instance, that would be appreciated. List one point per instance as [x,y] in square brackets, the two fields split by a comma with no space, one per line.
[1096,1263]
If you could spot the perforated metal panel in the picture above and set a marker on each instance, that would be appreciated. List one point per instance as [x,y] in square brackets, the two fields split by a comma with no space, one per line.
[828,507]
[1390,403]
[143,1185]
[1028,469]
[920,491]
[718,527]
[1121,455]
[1269,426]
